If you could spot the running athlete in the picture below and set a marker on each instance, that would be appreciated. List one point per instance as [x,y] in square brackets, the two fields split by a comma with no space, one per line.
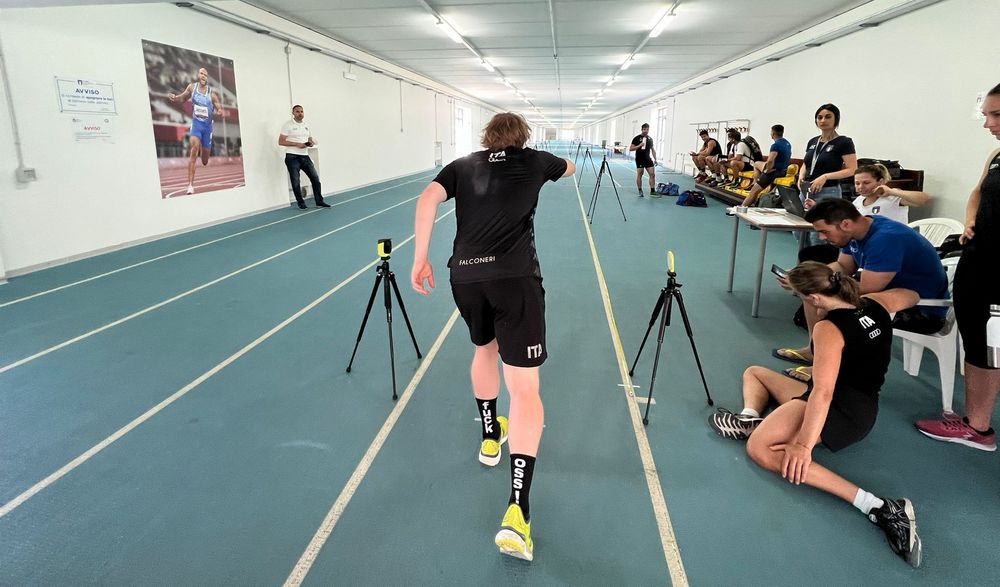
[205,103]
[497,285]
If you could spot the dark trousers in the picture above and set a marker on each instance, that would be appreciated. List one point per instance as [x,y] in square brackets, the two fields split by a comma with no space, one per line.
[297,163]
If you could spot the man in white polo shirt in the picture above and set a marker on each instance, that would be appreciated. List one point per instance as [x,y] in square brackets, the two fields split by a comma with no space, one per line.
[296,139]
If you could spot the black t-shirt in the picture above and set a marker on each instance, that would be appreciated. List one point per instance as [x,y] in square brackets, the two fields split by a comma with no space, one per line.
[987,227]
[716,148]
[643,154]
[867,333]
[496,193]
[831,157]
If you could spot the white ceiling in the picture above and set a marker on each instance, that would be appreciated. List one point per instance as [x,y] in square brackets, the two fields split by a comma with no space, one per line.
[592,39]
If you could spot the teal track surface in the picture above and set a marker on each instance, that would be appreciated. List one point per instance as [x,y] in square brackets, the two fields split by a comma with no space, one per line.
[227,483]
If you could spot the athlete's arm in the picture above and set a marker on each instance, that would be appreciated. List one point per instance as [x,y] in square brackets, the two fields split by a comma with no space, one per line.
[769,164]
[973,206]
[284,142]
[570,168]
[906,197]
[185,95]
[894,300]
[217,105]
[423,225]
[874,281]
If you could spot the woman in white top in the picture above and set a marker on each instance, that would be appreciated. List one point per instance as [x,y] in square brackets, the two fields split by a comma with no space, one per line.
[878,199]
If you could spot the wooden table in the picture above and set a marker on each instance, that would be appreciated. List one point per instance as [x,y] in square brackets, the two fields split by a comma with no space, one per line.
[766,219]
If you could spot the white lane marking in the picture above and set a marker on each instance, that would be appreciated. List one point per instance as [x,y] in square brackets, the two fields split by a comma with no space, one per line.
[198,246]
[642,400]
[668,540]
[179,296]
[312,550]
[88,454]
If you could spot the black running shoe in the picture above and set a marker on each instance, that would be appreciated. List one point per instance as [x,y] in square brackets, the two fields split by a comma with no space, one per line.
[735,426]
[897,520]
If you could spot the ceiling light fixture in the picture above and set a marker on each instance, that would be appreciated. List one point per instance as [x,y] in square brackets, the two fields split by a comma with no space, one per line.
[610,81]
[449,31]
[486,65]
[628,62]
[660,25]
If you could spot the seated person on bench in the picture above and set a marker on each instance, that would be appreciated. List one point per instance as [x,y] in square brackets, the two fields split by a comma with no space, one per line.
[775,166]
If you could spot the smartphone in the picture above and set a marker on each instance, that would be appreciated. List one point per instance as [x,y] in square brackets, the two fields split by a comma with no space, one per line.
[779,271]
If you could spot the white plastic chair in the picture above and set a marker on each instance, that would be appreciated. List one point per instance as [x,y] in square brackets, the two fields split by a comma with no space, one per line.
[937,229]
[944,343]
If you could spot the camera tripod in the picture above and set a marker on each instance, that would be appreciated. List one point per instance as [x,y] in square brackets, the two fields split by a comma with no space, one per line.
[605,166]
[385,276]
[662,309]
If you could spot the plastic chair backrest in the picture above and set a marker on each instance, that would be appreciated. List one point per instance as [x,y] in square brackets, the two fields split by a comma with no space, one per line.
[937,229]
[792,170]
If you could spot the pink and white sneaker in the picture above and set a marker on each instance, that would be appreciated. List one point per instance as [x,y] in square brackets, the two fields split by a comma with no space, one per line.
[955,429]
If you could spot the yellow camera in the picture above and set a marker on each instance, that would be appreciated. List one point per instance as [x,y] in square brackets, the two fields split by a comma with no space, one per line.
[384,247]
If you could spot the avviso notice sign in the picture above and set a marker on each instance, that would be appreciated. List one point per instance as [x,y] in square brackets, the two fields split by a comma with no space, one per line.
[86,97]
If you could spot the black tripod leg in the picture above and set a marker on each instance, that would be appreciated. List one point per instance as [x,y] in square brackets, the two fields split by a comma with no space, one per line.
[687,327]
[656,359]
[364,321]
[402,308]
[614,185]
[388,321]
[593,199]
[652,320]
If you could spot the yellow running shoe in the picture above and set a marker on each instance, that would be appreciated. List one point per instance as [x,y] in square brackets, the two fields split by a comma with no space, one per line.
[489,450]
[514,537]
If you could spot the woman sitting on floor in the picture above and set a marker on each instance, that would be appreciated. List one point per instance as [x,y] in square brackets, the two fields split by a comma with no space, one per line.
[851,346]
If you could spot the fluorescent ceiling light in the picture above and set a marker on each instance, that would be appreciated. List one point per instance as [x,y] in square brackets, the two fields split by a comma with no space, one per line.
[449,31]
[628,63]
[504,81]
[660,25]
[487,66]
[610,81]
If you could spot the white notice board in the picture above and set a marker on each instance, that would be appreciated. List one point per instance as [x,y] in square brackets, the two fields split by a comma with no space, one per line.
[86,97]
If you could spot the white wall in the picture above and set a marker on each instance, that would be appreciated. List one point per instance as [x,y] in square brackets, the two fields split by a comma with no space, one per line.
[91,197]
[906,90]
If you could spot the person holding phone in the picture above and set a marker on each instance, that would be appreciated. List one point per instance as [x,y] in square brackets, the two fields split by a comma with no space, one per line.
[852,345]
[645,159]
[296,138]
[830,160]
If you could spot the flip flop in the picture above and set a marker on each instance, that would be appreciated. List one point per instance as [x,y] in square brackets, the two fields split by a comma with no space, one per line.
[801,373]
[792,356]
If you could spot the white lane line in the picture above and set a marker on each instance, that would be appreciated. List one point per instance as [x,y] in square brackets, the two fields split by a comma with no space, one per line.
[312,550]
[133,315]
[198,246]
[668,540]
[87,455]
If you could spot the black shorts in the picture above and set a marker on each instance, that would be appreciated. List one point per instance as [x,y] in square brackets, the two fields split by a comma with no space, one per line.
[643,163]
[851,417]
[512,311]
[974,289]
[766,178]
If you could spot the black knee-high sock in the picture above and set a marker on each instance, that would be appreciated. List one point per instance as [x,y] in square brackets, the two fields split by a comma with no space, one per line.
[488,415]
[522,467]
